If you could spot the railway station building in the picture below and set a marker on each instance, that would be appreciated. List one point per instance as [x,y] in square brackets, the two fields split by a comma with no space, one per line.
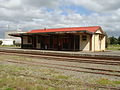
[64,39]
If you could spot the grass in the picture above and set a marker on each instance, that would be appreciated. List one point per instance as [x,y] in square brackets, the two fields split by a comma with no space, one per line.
[13,57]
[11,78]
[116,82]
[11,81]
[113,47]
[104,81]
[8,46]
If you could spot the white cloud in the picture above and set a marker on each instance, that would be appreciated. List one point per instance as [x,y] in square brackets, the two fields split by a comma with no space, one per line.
[33,14]
[10,4]
[40,3]
[98,5]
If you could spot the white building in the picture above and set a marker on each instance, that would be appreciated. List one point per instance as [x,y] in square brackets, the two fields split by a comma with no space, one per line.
[7,41]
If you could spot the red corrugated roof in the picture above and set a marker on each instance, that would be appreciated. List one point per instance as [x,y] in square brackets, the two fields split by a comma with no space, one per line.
[89,29]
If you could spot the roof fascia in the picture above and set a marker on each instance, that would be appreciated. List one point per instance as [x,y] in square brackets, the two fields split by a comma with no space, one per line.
[83,31]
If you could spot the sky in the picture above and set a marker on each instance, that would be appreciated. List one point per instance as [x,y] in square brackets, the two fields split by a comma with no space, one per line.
[37,14]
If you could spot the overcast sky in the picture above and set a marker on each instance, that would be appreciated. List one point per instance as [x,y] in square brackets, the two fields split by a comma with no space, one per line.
[35,14]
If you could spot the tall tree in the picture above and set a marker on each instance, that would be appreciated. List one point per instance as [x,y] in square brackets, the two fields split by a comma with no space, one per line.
[113,40]
[106,41]
[1,42]
[118,41]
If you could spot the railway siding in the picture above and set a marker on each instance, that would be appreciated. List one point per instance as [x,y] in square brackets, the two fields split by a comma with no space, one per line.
[56,71]
[70,68]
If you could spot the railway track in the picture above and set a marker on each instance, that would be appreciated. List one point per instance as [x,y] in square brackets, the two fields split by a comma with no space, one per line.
[74,68]
[80,60]
[67,58]
[61,67]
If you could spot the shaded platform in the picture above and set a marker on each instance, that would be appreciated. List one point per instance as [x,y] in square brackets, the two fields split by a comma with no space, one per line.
[104,55]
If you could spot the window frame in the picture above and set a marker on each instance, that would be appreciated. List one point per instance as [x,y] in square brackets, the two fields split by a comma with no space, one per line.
[84,37]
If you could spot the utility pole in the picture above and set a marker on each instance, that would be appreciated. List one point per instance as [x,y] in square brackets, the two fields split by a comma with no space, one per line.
[8,27]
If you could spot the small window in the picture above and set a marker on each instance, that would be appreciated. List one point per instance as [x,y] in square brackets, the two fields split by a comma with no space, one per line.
[29,39]
[84,37]
[100,37]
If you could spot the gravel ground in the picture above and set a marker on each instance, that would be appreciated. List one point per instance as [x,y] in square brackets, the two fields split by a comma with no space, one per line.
[46,72]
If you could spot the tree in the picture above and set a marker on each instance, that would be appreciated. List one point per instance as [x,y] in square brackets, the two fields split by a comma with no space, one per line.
[1,42]
[14,42]
[118,41]
[113,40]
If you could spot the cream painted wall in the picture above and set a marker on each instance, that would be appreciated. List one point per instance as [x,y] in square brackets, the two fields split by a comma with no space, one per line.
[85,45]
[93,43]
[98,31]
[103,43]
[97,44]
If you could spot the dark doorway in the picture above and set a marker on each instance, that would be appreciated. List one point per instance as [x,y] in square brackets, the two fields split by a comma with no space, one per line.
[76,42]
[42,41]
[34,42]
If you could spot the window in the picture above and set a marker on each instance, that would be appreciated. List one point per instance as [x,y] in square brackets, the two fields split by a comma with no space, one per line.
[84,37]
[100,37]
